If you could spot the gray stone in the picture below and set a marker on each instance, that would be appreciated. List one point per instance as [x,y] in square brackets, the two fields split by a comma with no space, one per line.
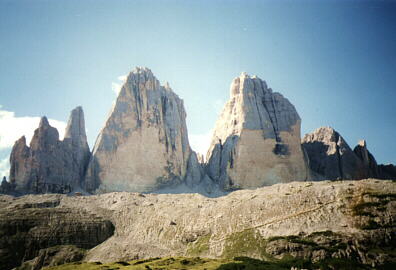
[76,136]
[51,165]
[256,140]
[330,157]
[143,145]
[370,167]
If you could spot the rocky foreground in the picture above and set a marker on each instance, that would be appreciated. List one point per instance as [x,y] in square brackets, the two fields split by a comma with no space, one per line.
[316,222]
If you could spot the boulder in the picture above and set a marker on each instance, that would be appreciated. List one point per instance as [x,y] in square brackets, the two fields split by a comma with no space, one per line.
[256,140]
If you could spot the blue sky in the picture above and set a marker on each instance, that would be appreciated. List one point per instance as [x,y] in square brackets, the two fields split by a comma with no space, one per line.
[334,60]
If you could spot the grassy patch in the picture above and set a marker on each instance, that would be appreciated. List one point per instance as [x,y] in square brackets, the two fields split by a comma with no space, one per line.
[199,247]
[245,243]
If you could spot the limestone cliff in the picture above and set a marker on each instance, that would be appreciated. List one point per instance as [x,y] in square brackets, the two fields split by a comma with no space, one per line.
[49,165]
[143,145]
[256,140]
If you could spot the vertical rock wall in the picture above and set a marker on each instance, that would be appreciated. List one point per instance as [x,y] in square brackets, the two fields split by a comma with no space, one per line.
[256,141]
[143,145]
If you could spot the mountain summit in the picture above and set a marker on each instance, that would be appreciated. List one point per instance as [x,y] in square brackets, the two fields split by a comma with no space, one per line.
[143,145]
[256,140]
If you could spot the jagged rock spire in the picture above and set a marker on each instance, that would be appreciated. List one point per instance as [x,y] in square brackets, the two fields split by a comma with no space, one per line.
[51,165]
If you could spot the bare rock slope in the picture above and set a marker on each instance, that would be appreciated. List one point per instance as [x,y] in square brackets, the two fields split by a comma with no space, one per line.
[256,141]
[143,145]
[314,221]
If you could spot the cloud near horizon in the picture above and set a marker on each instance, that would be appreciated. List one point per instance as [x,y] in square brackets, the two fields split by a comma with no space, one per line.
[116,86]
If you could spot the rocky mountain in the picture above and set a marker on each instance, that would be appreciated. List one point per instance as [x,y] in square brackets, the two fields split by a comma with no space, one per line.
[256,140]
[370,167]
[339,224]
[50,165]
[144,144]
[330,158]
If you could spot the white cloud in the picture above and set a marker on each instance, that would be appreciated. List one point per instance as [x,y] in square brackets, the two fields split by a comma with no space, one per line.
[116,86]
[4,168]
[13,127]
[123,78]
[200,142]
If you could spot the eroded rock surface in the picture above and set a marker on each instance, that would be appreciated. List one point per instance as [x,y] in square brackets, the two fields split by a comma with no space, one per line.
[256,141]
[30,224]
[314,221]
[50,165]
[143,145]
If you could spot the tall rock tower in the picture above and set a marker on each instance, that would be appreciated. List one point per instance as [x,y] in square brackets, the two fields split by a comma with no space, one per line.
[50,165]
[256,141]
[143,145]
[76,139]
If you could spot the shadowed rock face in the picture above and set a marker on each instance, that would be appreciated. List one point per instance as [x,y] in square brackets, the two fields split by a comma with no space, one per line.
[143,145]
[256,140]
[50,165]
[30,226]
[330,157]
[370,167]
[387,171]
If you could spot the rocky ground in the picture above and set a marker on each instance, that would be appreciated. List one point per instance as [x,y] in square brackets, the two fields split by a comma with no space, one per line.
[314,223]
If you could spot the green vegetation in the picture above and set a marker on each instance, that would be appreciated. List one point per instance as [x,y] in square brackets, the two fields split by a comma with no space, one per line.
[245,243]
[199,247]
[293,239]
[361,208]
[372,209]
[197,263]
[179,263]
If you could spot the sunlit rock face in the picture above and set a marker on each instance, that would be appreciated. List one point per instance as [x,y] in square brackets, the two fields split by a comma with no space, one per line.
[50,165]
[256,140]
[143,145]
[331,158]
